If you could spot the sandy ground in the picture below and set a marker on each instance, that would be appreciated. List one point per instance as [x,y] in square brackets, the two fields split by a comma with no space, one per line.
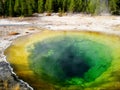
[25,26]
[68,22]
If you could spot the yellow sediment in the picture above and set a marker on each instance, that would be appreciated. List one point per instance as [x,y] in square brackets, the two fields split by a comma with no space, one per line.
[17,53]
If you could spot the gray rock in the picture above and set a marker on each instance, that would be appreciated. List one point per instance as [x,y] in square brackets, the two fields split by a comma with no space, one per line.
[9,81]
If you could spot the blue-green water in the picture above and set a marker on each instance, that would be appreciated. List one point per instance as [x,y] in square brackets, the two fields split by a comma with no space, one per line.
[69,60]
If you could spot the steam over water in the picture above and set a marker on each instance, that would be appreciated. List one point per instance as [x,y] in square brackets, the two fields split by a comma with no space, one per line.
[64,58]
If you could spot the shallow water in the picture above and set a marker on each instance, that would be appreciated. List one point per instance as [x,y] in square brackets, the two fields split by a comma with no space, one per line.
[67,60]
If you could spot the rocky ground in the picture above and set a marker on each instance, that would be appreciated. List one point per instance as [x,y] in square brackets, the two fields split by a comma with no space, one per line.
[11,28]
[8,80]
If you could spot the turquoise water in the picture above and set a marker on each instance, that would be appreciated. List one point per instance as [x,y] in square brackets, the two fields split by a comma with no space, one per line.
[69,60]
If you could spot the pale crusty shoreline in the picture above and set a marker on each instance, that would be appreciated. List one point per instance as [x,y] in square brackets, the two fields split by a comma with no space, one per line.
[11,28]
[7,76]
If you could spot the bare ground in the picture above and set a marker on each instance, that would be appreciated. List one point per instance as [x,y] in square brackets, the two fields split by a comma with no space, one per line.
[11,28]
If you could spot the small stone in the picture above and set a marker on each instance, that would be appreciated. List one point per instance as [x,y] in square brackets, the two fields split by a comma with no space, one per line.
[13,33]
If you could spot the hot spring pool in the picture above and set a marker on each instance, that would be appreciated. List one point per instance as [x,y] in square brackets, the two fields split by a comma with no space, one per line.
[67,60]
